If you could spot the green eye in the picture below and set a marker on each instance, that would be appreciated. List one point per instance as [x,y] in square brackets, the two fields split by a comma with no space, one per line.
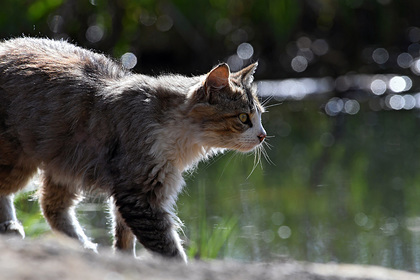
[243,117]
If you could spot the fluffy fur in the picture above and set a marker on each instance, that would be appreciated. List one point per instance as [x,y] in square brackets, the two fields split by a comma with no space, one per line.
[90,124]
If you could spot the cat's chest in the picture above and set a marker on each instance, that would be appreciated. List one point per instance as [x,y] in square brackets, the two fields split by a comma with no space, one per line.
[179,147]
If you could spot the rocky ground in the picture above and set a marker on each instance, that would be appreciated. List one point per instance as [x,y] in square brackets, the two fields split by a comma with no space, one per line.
[59,258]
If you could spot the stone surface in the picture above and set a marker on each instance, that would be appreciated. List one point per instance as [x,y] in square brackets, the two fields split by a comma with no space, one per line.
[60,258]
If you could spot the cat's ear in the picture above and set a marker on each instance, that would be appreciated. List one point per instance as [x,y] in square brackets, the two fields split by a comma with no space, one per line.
[246,75]
[218,78]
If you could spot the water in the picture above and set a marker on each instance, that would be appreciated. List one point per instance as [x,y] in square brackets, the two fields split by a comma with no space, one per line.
[341,189]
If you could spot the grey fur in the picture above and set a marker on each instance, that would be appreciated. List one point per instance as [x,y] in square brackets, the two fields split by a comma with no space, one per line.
[90,124]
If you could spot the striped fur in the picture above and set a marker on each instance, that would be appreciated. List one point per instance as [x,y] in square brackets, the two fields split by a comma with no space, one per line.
[90,124]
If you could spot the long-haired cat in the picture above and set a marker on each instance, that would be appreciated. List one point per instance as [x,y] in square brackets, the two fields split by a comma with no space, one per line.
[88,123]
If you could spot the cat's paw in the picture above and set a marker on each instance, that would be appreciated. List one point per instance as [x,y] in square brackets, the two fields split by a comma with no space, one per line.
[12,227]
[90,246]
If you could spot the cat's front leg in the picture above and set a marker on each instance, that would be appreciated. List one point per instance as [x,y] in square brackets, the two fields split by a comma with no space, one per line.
[152,225]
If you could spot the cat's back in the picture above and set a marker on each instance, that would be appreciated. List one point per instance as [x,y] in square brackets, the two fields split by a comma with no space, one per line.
[24,47]
[54,61]
[50,91]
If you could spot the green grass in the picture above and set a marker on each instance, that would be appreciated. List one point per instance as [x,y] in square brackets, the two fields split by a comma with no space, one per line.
[28,212]
[208,239]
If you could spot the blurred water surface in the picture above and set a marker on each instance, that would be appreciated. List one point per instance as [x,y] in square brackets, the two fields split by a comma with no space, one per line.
[342,186]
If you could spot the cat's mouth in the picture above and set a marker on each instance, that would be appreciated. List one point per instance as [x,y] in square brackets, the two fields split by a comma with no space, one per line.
[248,147]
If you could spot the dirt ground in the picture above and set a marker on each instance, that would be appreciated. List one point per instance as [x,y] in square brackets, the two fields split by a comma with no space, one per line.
[59,258]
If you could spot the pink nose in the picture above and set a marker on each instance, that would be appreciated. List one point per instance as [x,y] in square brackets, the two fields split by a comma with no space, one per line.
[262,136]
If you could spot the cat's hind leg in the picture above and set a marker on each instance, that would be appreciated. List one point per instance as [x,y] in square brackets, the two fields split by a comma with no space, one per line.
[58,202]
[124,239]
[9,224]
[12,179]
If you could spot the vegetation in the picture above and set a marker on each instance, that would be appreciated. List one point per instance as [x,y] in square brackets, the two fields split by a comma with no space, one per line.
[191,36]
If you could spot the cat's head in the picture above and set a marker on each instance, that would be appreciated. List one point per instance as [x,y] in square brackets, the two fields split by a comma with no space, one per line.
[227,109]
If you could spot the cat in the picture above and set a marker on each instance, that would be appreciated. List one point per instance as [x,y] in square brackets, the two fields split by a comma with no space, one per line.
[90,124]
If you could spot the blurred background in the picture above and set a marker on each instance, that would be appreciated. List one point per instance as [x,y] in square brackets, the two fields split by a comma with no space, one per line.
[341,80]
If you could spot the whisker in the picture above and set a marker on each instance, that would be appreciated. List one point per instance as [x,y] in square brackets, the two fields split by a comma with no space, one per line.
[266,156]
[273,105]
[258,156]
[269,146]
[261,151]
[226,165]
[258,153]
[268,99]
[255,164]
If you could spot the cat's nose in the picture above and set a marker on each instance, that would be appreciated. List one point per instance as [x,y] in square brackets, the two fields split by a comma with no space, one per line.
[262,136]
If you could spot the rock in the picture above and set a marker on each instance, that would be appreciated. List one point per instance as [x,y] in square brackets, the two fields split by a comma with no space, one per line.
[60,258]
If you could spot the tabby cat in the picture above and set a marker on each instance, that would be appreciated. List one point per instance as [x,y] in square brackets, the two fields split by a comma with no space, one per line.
[89,124]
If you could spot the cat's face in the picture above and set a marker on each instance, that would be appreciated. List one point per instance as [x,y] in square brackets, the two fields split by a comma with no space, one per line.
[228,110]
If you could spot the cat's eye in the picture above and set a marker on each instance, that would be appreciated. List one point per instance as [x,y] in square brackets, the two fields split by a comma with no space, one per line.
[243,117]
